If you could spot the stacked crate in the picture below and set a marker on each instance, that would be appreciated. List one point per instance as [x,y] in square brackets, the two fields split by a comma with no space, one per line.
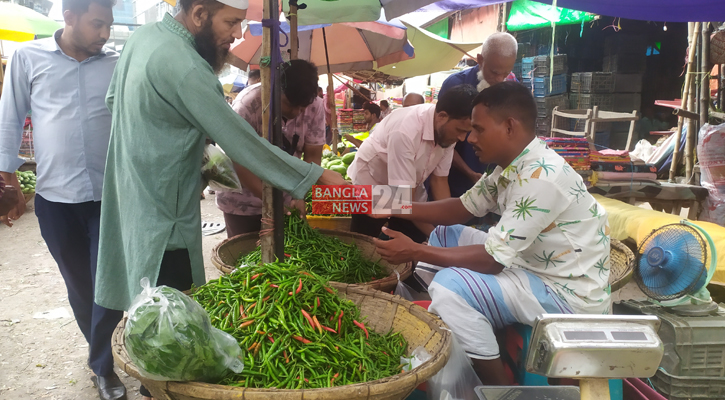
[625,56]
[344,121]
[358,121]
[589,89]
[549,91]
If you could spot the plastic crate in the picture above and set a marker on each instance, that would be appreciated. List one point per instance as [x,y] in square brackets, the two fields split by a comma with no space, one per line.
[625,63]
[543,125]
[592,82]
[543,89]
[625,44]
[688,388]
[540,65]
[524,50]
[526,82]
[584,101]
[628,83]
[627,102]
[694,346]
[544,105]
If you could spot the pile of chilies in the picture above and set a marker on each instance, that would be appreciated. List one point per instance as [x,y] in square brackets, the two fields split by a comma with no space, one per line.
[325,255]
[297,332]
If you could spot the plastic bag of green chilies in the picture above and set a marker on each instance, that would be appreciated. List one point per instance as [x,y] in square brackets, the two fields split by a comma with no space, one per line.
[170,338]
[218,170]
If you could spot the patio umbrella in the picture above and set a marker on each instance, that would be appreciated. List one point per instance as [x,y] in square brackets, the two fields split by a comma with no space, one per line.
[432,54]
[20,24]
[350,46]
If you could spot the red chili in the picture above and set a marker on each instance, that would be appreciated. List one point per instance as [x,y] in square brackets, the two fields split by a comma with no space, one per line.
[329,290]
[274,286]
[339,321]
[334,377]
[301,339]
[270,339]
[291,293]
[252,306]
[299,287]
[328,329]
[309,319]
[306,273]
[286,360]
[361,326]
[246,324]
[317,323]
[255,276]
[318,302]
[287,255]
[266,298]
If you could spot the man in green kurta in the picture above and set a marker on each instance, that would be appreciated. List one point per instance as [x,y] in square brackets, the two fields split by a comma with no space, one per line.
[166,99]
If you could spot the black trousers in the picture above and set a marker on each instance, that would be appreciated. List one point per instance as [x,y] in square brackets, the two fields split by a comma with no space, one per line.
[71,233]
[366,225]
[175,272]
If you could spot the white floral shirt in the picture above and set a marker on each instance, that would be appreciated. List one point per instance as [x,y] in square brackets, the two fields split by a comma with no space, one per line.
[550,225]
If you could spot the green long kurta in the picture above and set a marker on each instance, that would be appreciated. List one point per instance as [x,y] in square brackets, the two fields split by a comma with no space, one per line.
[165,101]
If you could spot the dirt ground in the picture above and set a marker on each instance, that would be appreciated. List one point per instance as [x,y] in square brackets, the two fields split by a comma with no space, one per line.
[43,358]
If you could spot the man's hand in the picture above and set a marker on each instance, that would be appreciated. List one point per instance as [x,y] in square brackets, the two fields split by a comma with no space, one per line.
[300,205]
[399,249]
[330,177]
[11,180]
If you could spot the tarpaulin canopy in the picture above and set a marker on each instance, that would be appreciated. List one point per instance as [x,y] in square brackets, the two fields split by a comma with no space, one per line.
[651,10]
[526,14]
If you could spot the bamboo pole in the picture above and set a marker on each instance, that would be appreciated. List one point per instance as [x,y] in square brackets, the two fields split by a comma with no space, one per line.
[294,44]
[331,98]
[704,99]
[359,93]
[267,241]
[683,105]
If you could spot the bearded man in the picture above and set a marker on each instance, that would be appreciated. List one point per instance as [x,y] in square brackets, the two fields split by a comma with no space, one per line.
[166,99]
[495,63]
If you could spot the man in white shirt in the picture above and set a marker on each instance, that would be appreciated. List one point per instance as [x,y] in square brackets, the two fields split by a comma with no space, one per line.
[410,145]
[548,254]
[63,80]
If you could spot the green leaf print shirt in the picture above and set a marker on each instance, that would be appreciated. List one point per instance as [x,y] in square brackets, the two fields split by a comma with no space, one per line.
[550,225]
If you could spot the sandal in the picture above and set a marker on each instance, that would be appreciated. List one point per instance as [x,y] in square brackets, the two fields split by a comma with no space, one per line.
[212,228]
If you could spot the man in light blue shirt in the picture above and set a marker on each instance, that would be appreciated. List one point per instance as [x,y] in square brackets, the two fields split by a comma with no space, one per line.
[63,80]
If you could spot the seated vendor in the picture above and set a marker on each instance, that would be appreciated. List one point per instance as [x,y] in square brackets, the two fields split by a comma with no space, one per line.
[548,254]
[371,112]
[409,146]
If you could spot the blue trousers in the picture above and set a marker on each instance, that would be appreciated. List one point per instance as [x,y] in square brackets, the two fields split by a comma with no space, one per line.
[71,233]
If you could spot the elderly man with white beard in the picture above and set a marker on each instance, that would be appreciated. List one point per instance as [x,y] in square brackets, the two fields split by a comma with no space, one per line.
[495,63]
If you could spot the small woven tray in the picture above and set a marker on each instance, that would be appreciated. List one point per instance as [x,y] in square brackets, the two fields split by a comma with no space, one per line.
[622,265]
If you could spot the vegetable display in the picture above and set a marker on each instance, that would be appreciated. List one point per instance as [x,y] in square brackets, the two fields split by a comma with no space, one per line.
[324,255]
[27,181]
[298,334]
[338,164]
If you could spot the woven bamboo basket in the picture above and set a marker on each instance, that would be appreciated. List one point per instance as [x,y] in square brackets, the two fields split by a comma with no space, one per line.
[28,196]
[383,312]
[332,223]
[622,265]
[225,256]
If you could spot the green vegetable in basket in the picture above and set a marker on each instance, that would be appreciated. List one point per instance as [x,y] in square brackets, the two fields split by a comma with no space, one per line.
[324,255]
[299,334]
[170,337]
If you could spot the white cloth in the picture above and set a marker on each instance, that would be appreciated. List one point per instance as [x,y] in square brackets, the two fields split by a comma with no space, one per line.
[402,152]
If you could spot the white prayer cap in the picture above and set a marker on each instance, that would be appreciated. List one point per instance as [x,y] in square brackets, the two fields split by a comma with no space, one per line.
[239,4]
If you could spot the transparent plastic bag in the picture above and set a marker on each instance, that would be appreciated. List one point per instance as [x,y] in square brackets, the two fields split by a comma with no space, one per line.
[711,155]
[408,293]
[218,170]
[456,380]
[418,357]
[170,338]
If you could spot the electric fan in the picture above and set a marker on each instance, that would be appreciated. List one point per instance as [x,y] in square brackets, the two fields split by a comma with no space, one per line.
[674,265]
